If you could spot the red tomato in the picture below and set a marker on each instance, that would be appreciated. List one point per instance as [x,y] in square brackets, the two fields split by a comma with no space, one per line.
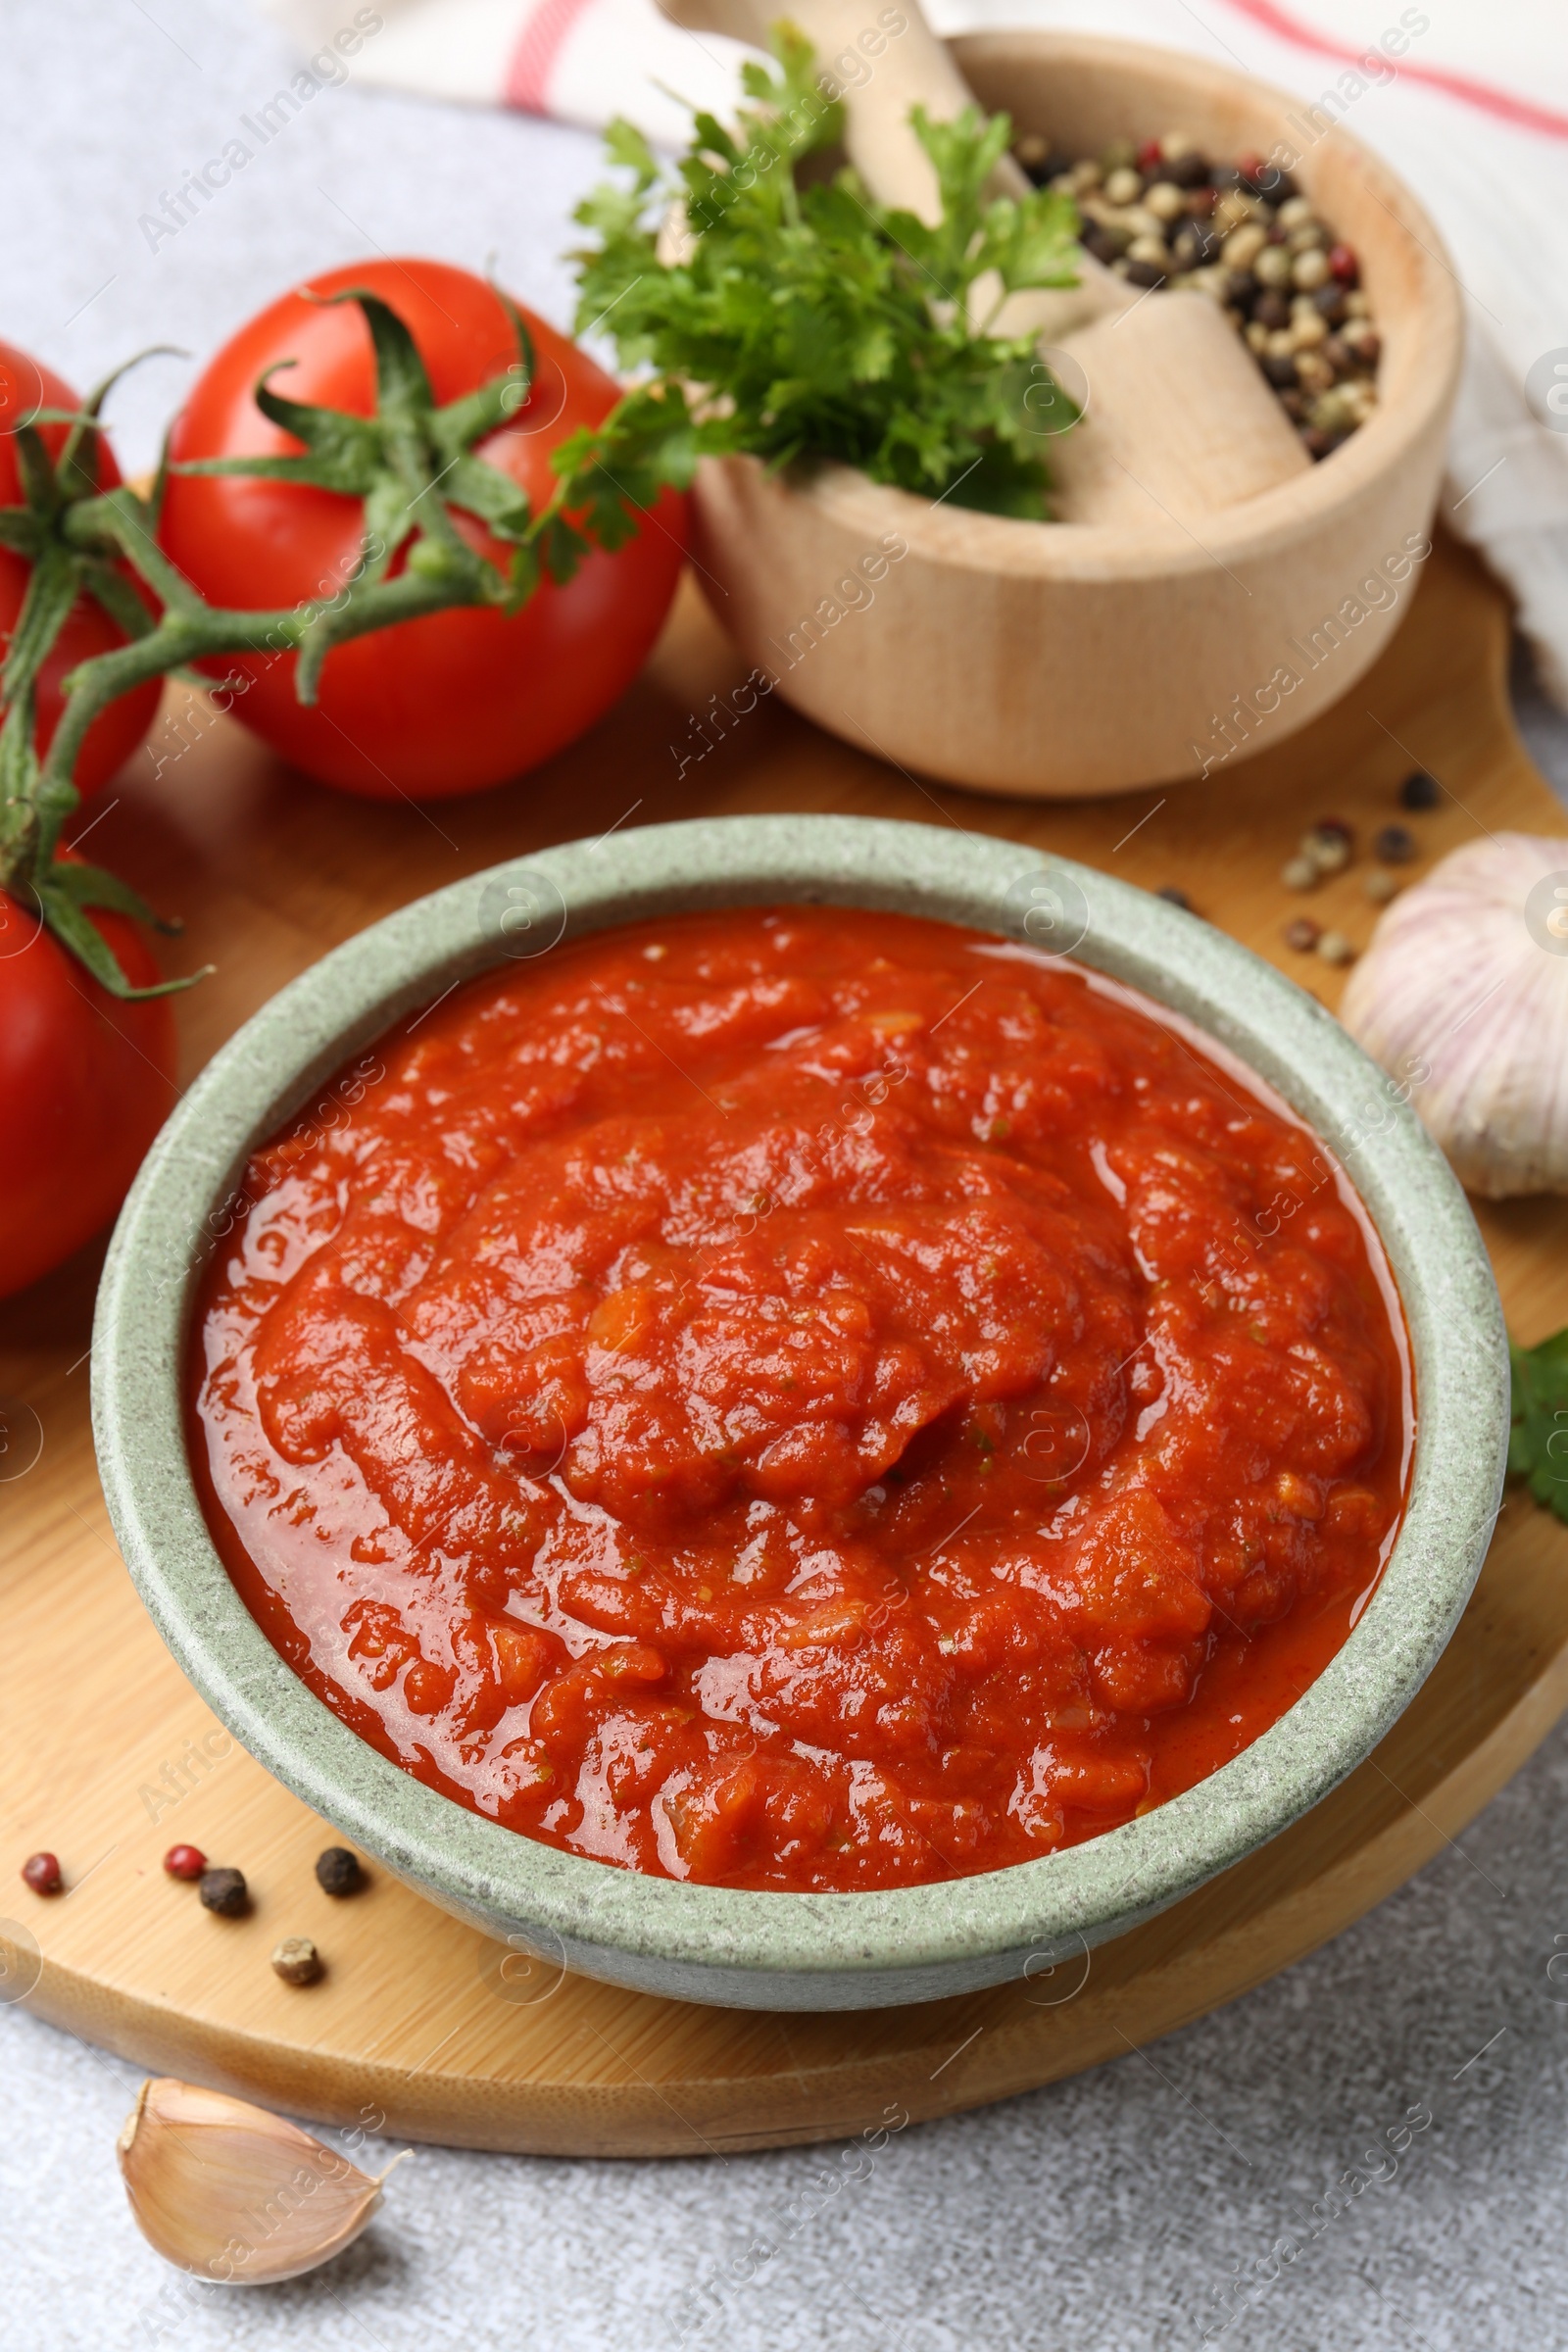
[117,731]
[461,700]
[86,1082]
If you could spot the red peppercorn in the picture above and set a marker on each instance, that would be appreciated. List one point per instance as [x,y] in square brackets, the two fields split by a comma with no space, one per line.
[1343,266]
[42,1874]
[184,1862]
[1149,154]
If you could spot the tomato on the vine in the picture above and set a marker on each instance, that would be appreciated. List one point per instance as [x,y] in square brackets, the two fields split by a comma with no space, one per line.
[86,1081]
[26,385]
[461,699]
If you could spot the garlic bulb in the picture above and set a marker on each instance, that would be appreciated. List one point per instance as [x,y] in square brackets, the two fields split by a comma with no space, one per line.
[234,2194]
[1464,999]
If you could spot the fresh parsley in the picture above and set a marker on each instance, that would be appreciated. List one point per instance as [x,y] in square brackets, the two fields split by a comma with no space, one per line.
[1537,1444]
[811,322]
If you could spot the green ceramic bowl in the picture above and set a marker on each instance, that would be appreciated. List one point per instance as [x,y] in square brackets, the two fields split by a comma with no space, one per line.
[719,1944]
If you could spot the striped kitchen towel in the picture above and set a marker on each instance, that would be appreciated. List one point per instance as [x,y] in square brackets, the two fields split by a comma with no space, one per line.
[1470,104]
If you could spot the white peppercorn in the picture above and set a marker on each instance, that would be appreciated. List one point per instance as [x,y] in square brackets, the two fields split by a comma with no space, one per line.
[296,1961]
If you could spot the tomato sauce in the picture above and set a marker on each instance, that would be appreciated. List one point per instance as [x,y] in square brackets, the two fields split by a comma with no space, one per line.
[802,1398]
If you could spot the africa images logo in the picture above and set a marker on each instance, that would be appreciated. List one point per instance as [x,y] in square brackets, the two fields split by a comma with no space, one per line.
[1546,390]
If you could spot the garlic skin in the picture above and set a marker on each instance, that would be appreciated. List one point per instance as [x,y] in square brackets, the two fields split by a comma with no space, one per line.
[233,2195]
[1463,997]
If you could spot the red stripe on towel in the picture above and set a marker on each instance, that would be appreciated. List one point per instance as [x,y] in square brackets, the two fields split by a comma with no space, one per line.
[1478,94]
[533,60]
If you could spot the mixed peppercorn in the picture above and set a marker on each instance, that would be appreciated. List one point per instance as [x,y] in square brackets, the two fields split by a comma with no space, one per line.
[224,1891]
[1164,215]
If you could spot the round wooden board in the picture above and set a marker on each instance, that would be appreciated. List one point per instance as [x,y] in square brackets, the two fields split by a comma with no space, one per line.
[108,1757]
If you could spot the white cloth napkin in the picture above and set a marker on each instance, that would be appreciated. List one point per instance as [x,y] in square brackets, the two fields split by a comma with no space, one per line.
[1474,113]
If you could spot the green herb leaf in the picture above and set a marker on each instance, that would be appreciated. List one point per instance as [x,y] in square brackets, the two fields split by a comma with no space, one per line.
[819,323]
[1537,1444]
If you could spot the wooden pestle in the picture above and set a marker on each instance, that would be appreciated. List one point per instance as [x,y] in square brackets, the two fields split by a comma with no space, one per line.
[1177,419]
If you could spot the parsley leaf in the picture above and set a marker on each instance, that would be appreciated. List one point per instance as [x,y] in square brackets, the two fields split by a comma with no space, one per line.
[1537,1444]
[818,324]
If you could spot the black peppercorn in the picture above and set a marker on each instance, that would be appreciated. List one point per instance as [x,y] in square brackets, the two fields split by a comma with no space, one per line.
[1419,790]
[1145,273]
[1394,846]
[1186,171]
[1271,183]
[1042,164]
[339,1872]
[1280,369]
[225,1891]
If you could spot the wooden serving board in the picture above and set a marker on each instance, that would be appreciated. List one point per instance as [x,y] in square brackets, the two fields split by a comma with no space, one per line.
[108,1757]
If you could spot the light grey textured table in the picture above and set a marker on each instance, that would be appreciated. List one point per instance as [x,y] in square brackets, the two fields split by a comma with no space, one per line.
[1105,2214]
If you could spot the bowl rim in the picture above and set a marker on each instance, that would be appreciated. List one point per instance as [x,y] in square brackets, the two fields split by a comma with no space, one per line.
[649,1926]
[1275,519]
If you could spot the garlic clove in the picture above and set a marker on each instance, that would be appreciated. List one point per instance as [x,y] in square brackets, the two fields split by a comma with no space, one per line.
[233,2195]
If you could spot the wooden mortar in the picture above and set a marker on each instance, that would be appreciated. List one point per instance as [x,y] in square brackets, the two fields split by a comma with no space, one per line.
[1055,659]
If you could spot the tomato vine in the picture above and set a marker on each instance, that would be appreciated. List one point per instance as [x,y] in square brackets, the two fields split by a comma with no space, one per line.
[411,464]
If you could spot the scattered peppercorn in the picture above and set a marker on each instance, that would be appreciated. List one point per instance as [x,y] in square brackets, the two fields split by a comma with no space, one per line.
[297,1960]
[1336,827]
[1327,847]
[1335,948]
[42,1874]
[1419,789]
[1298,873]
[1396,845]
[1174,896]
[184,1862]
[226,1892]
[1303,934]
[339,1872]
[1380,885]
